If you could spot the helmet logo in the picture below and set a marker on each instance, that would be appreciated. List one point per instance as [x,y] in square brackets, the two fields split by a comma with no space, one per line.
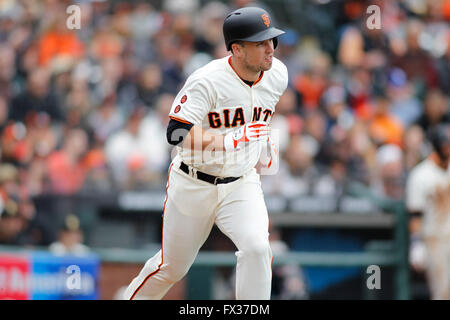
[266,19]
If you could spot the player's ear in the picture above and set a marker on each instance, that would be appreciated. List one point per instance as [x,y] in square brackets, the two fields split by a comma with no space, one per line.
[236,48]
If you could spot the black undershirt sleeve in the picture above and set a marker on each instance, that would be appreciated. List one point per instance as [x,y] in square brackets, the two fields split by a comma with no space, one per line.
[177,131]
[416,214]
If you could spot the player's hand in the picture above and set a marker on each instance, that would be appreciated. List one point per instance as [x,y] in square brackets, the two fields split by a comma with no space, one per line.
[273,152]
[252,131]
[269,155]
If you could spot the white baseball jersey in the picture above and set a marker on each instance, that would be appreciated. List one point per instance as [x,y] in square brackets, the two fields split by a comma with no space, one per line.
[421,185]
[217,99]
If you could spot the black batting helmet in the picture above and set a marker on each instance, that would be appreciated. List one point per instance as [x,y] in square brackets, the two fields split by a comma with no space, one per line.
[249,24]
[440,136]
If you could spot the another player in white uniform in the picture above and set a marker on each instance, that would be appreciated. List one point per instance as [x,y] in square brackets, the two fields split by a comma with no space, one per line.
[428,200]
[220,124]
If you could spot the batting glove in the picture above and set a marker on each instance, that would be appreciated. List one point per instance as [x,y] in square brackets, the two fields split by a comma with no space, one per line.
[252,131]
[269,153]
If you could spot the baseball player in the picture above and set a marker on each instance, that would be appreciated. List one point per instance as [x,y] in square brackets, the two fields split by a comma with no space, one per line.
[220,124]
[428,199]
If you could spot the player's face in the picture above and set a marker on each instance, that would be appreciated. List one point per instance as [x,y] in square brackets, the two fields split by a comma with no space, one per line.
[257,56]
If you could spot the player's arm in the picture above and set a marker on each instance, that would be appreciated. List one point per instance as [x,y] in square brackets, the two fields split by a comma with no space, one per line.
[192,136]
[415,221]
[200,139]
[196,138]
[415,201]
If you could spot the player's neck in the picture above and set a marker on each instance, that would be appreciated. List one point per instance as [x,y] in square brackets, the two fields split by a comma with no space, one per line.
[243,72]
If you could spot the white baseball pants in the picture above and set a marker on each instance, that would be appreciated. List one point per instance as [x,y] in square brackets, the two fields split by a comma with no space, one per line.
[191,208]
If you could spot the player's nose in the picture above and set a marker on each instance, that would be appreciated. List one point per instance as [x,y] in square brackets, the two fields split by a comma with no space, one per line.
[269,46]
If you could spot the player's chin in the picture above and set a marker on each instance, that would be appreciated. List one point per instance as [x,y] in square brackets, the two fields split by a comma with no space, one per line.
[266,66]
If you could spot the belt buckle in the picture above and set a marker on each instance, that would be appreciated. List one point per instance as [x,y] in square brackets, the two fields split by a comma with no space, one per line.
[215,180]
[193,172]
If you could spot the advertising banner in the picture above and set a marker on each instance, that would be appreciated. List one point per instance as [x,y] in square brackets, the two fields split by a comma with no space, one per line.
[14,277]
[45,276]
[64,277]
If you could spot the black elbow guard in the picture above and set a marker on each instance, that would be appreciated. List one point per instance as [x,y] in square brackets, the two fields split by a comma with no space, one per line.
[177,131]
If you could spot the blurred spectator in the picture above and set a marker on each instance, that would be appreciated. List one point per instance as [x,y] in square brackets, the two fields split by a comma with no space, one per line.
[302,172]
[288,281]
[65,167]
[19,224]
[351,48]
[315,125]
[414,146]
[180,6]
[287,52]
[384,127]
[436,110]
[98,176]
[414,60]
[106,119]
[145,21]
[40,133]
[343,158]
[11,223]
[149,85]
[362,161]
[359,87]
[220,51]
[37,97]
[9,181]
[335,104]
[390,172]
[112,71]
[7,69]
[298,175]
[405,106]
[59,42]
[36,180]
[78,102]
[311,83]
[208,26]
[442,65]
[138,154]
[70,239]
[15,144]
[285,120]
[3,113]
[35,231]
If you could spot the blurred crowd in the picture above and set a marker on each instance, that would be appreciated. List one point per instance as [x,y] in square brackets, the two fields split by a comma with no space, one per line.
[85,110]
[362,112]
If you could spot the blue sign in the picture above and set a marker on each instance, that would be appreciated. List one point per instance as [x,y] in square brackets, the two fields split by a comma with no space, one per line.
[65,277]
